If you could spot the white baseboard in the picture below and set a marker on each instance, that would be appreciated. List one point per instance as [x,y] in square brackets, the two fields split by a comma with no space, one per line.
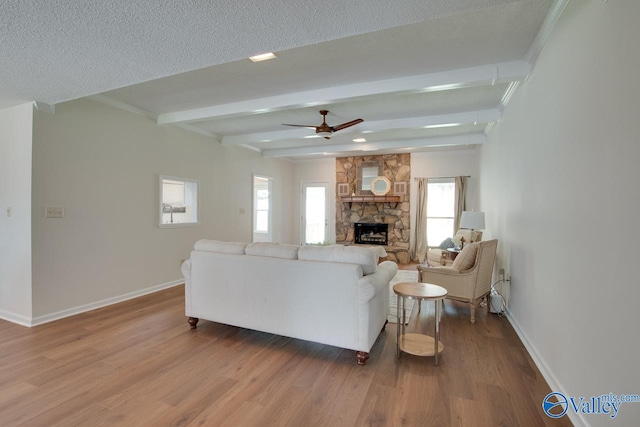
[15,318]
[577,419]
[98,304]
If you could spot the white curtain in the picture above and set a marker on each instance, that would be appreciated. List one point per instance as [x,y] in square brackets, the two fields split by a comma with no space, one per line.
[420,248]
[460,203]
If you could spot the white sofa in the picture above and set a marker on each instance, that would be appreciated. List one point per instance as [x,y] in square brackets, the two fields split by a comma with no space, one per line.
[335,295]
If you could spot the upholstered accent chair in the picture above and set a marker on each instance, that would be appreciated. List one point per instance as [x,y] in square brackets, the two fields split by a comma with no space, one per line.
[437,257]
[468,279]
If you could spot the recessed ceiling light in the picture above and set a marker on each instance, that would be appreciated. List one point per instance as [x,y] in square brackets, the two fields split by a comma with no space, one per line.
[360,140]
[262,57]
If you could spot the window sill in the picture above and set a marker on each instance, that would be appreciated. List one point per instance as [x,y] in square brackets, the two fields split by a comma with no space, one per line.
[180,225]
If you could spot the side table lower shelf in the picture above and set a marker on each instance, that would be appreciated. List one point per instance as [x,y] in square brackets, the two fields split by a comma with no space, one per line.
[419,344]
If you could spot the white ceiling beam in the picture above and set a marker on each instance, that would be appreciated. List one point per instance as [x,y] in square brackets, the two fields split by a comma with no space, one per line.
[480,116]
[123,106]
[407,144]
[464,77]
[252,138]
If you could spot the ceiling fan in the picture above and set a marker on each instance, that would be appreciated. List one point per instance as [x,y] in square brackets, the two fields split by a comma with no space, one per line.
[324,129]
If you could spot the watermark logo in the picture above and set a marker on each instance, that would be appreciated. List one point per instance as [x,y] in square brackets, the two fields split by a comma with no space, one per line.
[556,404]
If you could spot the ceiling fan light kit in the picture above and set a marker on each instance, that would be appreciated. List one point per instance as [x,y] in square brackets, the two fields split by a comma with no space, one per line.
[324,130]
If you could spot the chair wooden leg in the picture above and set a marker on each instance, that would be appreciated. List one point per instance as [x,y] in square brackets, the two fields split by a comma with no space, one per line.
[488,303]
[472,307]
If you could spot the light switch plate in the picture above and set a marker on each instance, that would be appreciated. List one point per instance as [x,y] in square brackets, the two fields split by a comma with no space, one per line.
[54,212]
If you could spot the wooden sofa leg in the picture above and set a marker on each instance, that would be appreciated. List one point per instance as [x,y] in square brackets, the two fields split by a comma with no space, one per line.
[362,357]
[193,321]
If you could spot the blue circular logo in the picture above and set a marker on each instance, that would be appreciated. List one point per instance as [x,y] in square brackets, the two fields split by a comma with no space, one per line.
[555,404]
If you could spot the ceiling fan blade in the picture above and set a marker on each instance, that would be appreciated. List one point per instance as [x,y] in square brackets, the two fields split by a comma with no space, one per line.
[347,124]
[300,126]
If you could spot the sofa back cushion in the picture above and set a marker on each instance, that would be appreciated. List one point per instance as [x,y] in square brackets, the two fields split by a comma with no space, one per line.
[466,259]
[236,248]
[365,257]
[273,250]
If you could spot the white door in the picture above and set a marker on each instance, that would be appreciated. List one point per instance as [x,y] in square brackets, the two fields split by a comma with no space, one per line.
[315,212]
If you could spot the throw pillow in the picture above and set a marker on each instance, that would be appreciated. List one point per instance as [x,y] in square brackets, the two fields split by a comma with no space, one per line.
[466,258]
[447,243]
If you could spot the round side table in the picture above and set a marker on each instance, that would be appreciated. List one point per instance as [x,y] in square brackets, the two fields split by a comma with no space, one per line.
[416,343]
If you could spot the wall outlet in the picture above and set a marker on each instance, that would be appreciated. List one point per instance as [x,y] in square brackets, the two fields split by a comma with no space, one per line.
[54,212]
[8,211]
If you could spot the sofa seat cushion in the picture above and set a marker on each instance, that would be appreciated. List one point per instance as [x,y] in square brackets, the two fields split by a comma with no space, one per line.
[365,257]
[235,248]
[273,250]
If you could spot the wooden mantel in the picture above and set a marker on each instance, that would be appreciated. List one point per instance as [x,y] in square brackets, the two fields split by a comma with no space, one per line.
[371,199]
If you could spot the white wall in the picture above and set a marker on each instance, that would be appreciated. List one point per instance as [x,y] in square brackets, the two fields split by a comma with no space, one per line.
[316,170]
[559,185]
[102,165]
[16,126]
[437,164]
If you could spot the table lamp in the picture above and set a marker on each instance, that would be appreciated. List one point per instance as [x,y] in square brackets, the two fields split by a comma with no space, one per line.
[473,221]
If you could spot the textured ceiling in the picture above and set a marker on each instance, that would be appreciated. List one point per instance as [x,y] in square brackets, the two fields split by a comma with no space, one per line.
[169,58]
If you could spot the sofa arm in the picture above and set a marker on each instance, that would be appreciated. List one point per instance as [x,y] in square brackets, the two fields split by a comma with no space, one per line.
[186,269]
[371,284]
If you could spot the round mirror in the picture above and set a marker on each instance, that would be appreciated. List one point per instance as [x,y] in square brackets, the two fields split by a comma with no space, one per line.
[380,185]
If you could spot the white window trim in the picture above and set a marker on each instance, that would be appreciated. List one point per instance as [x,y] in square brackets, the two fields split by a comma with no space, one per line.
[180,224]
[269,232]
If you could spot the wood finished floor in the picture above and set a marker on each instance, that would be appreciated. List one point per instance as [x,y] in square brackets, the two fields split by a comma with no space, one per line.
[137,363]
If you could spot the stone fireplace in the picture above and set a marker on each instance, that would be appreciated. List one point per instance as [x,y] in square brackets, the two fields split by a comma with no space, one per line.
[392,214]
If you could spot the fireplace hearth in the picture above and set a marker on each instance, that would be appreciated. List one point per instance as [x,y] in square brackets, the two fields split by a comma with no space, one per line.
[371,233]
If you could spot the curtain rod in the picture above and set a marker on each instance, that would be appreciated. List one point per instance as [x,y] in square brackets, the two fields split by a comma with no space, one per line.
[440,177]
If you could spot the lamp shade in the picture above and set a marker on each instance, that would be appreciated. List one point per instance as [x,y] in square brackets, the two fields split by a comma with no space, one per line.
[472,220]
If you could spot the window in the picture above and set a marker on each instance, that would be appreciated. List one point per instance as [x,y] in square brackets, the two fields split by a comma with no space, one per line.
[440,210]
[178,202]
[262,209]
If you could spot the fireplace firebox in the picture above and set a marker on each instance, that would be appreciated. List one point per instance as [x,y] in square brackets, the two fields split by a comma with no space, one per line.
[371,233]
